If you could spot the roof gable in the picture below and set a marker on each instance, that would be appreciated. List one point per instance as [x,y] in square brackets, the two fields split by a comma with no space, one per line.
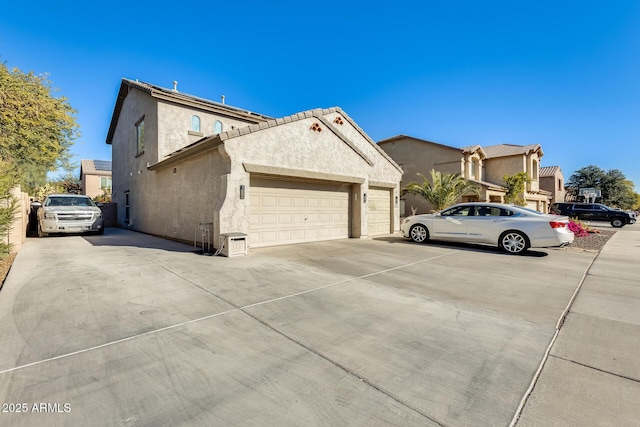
[546,171]
[504,150]
[213,141]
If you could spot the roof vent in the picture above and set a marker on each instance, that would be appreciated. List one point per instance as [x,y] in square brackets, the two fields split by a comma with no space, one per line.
[222,99]
[175,85]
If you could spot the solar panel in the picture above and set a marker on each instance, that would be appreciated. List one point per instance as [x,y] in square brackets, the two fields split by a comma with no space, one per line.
[102,165]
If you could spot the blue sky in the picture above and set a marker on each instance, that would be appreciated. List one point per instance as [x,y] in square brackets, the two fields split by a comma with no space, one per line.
[562,74]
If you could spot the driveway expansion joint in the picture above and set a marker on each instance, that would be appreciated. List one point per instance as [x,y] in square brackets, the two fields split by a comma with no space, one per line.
[547,352]
[635,380]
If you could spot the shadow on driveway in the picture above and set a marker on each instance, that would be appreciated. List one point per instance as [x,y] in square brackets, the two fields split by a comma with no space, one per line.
[463,246]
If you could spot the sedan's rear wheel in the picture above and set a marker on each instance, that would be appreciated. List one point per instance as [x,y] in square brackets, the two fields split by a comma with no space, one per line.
[513,242]
[419,233]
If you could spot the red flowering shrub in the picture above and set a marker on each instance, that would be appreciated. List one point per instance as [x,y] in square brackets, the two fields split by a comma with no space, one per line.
[579,229]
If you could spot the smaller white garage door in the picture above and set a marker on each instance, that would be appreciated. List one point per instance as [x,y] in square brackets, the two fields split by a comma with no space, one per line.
[284,212]
[532,204]
[379,205]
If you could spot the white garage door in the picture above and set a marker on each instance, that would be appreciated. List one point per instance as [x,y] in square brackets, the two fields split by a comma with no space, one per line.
[532,204]
[379,202]
[285,212]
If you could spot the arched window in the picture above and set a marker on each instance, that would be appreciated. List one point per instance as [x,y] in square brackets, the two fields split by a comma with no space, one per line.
[195,123]
[217,127]
[534,170]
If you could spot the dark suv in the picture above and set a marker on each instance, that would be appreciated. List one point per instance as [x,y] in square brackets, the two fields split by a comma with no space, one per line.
[593,212]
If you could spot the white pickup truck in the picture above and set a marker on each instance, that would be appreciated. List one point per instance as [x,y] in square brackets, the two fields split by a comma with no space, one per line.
[69,213]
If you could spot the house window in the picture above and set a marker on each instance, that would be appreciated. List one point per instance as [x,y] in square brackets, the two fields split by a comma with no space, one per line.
[105,182]
[474,169]
[140,136]
[195,123]
[534,170]
[127,218]
[559,184]
[217,127]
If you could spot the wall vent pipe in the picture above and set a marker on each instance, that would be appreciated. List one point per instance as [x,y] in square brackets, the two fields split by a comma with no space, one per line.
[175,85]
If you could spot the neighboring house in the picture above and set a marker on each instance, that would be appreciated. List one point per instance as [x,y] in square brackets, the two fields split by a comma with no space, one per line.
[510,159]
[552,180]
[95,176]
[182,162]
[485,166]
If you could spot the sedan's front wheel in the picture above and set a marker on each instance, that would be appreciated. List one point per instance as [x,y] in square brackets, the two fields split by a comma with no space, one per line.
[419,233]
[513,242]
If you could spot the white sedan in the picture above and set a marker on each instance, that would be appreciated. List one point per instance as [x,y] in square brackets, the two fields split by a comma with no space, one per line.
[512,228]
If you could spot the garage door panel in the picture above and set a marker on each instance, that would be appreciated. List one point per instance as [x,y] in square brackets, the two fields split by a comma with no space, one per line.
[267,201]
[284,202]
[295,212]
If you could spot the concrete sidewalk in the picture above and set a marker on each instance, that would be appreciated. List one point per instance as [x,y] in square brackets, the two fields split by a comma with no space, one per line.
[592,374]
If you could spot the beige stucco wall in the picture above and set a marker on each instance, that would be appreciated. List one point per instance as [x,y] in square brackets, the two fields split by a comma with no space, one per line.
[91,185]
[184,195]
[497,168]
[554,185]
[17,234]
[415,156]
[129,171]
[175,125]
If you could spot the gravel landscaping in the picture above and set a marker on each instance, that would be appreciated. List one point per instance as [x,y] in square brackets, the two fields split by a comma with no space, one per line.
[5,265]
[593,242]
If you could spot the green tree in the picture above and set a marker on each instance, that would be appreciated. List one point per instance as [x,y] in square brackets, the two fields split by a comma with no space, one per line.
[616,190]
[44,190]
[36,128]
[515,188]
[444,189]
[69,184]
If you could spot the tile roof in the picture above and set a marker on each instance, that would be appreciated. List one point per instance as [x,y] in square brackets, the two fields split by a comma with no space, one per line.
[180,98]
[503,150]
[549,171]
[151,89]
[402,136]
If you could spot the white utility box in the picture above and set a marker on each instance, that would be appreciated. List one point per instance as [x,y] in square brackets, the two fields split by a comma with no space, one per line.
[233,244]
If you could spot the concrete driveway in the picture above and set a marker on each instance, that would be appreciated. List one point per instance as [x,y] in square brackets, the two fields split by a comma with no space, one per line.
[128,329]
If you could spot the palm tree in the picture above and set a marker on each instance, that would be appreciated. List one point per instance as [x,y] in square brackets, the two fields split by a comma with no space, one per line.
[444,189]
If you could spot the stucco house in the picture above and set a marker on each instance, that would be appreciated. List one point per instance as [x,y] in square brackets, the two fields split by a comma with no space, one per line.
[485,166]
[509,159]
[180,161]
[95,175]
[552,180]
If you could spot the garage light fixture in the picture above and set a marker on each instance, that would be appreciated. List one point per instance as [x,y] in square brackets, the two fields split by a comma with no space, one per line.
[242,191]
[364,198]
